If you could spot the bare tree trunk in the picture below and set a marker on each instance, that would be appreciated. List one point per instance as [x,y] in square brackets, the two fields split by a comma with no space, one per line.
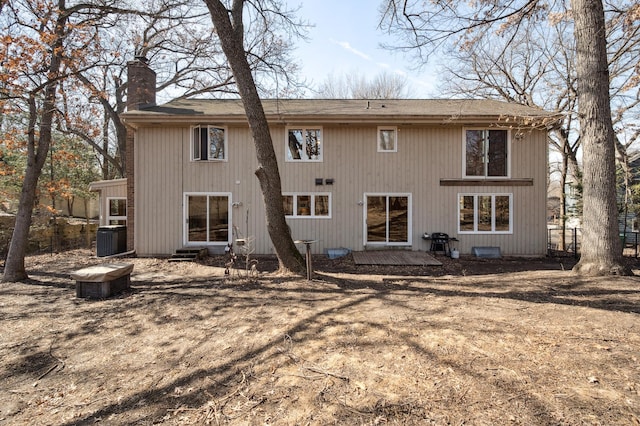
[228,24]
[105,145]
[70,203]
[37,153]
[14,269]
[601,250]
[14,266]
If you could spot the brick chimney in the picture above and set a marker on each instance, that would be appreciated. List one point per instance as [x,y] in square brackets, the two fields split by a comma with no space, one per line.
[142,84]
[141,92]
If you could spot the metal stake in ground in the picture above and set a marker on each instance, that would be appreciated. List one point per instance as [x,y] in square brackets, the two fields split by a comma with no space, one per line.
[307,243]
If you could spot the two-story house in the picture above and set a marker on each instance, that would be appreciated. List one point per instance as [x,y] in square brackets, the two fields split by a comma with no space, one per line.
[359,174]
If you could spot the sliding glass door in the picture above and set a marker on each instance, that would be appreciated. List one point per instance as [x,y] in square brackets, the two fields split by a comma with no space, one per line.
[388,219]
[207,219]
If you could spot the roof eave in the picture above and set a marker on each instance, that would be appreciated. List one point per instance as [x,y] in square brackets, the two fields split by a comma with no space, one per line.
[135,119]
[101,184]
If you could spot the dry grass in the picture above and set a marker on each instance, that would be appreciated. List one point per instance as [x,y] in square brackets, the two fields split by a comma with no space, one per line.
[364,346]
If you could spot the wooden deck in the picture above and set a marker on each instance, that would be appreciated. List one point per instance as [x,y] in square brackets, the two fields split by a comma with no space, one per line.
[394,257]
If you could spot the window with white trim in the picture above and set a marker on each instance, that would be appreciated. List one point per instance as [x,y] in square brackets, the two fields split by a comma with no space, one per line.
[116,211]
[307,205]
[486,153]
[387,139]
[208,143]
[303,144]
[485,213]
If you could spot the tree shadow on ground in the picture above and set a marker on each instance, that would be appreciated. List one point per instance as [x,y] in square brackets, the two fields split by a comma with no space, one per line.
[348,294]
[337,290]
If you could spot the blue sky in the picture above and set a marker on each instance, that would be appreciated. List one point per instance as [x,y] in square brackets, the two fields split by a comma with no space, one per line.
[345,40]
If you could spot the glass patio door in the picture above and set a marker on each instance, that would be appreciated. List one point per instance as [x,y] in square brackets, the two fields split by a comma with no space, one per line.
[208,218]
[388,219]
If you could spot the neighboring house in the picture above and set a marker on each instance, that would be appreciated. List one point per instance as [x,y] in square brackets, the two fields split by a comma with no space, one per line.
[76,207]
[79,208]
[356,174]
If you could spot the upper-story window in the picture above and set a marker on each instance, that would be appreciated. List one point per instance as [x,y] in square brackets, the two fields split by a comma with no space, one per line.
[304,144]
[486,153]
[387,139]
[209,143]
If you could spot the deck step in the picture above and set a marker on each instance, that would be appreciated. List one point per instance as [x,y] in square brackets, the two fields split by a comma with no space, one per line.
[188,254]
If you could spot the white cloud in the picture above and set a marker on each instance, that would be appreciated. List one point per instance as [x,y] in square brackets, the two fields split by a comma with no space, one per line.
[422,84]
[346,46]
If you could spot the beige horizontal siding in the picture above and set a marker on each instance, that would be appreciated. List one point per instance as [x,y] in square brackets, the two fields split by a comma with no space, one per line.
[164,173]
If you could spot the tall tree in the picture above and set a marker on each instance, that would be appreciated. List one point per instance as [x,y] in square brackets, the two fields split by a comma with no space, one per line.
[42,42]
[85,60]
[188,62]
[40,100]
[424,29]
[537,68]
[177,39]
[230,29]
[601,246]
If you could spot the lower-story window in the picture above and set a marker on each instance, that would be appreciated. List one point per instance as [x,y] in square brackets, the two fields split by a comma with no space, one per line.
[485,213]
[317,205]
[116,211]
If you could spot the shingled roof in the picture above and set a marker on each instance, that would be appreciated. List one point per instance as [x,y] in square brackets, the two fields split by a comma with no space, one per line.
[400,111]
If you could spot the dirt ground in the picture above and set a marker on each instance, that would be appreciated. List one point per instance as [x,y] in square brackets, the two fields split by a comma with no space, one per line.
[473,342]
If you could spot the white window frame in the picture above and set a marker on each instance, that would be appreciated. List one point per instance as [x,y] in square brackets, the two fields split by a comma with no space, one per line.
[108,216]
[197,156]
[312,212]
[287,153]
[409,196]
[485,161]
[185,219]
[493,212]
[394,129]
